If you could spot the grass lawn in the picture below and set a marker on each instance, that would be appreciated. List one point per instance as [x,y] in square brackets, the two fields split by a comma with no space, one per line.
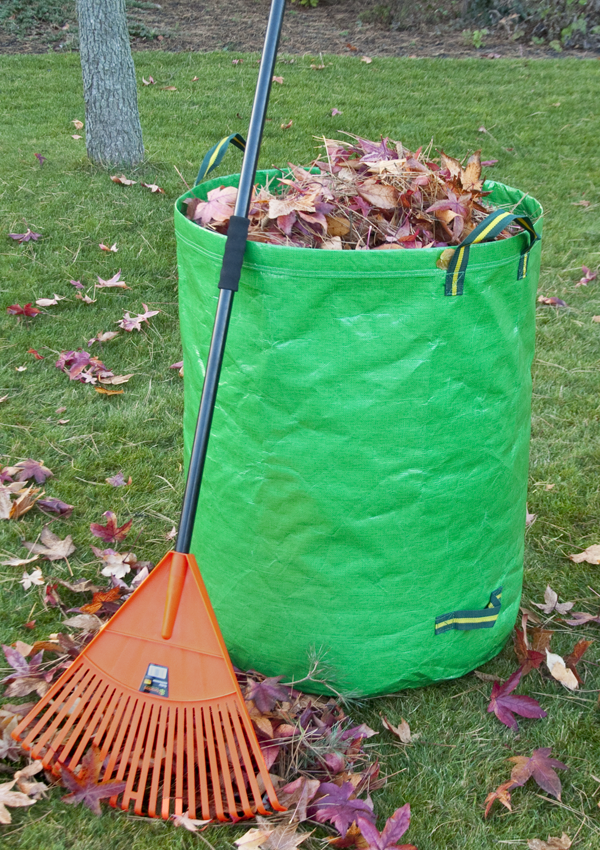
[541,122]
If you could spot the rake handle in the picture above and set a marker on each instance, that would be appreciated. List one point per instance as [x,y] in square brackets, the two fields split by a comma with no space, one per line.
[229,281]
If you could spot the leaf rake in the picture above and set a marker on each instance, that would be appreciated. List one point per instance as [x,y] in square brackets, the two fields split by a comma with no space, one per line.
[155,690]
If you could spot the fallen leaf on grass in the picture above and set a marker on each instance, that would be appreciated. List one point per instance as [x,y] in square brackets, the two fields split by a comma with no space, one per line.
[51,546]
[124,180]
[505,704]
[134,323]
[530,657]
[402,731]
[34,790]
[85,298]
[99,598]
[340,806]
[112,247]
[28,310]
[84,785]
[335,112]
[574,657]
[20,368]
[118,480]
[551,603]
[55,506]
[24,503]
[588,277]
[591,555]
[29,468]
[109,532]
[76,136]
[253,839]
[32,579]
[502,794]
[296,796]
[18,562]
[77,124]
[104,391]
[42,159]
[562,843]
[541,768]
[149,82]
[551,301]
[153,188]
[86,622]
[114,379]
[366,59]
[113,283]
[393,831]
[287,126]
[169,88]
[76,283]
[35,353]
[278,80]
[191,824]
[559,671]
[13,799]
[103,336]
[529,518]
[28,236]
[50,302]
[266,693]
[282,837]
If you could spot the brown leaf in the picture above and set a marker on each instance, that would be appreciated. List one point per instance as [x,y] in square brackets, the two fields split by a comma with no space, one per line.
[99,598]
[124,181]
[104,391]
[502,794]
[153,188]
[562,843]
[296,796]
[278,80]
[51,546]
[560,671]
[86,622]
[591,555]
[366,59]
[191,824]
[25,502]
[574,657]
[402,731]
[287,126]
[114,379]
[13,799]
[378,194]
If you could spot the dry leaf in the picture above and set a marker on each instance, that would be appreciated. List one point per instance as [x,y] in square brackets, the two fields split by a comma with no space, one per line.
[153,188]
[402,731]
[366,59]
[187,822]
[25,502]
[104,391]
[278,80]
[86,622]
[253,839]
[77,124]
[11,798]
[559,670]
[51,546]
[562,843]
[591,555]
[115,379]
[112,248]
[76,137]
[287,126]
[124,181]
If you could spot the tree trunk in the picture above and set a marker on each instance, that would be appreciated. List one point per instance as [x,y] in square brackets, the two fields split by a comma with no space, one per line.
[113,130]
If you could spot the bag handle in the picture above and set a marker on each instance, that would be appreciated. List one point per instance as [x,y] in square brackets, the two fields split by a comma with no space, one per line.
[216,154]
[489,228]
[484,618]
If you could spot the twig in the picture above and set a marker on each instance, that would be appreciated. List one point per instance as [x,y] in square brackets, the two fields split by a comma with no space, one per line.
[182,177]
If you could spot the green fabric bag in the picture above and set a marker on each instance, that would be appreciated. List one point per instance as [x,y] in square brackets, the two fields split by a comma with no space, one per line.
[364,492]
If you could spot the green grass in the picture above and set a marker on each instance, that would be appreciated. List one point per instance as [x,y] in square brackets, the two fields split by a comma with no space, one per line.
[548,150]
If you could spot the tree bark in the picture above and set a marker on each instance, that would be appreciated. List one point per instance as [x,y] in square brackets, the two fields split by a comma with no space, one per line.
[113,130]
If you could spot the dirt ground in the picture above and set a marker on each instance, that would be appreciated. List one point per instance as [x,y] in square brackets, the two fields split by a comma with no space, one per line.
[334,26]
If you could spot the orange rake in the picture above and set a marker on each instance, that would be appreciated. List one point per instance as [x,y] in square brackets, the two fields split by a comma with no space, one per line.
[155,690]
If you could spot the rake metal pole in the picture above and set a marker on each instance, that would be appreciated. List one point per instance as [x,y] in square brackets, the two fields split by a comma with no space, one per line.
[230,277]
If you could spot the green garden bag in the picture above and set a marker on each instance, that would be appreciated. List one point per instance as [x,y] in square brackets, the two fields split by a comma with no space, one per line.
[364,496]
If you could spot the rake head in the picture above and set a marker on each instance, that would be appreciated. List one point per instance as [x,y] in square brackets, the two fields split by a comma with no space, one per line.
[166,713]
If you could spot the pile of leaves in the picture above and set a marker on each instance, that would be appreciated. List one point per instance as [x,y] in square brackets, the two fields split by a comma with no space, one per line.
[362,195]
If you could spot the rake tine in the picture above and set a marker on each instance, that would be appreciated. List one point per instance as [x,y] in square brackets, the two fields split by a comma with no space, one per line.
[64,711]
[157,769]
[214,770]
[166,798]
[139,797]
[191,762]
[122,723]
[179,763]
[248,763]
[93,694]
[139,732]
[43,703]
[259,758]
[225,770]
[201,753]
[108,716]
[235,761]
[92,725]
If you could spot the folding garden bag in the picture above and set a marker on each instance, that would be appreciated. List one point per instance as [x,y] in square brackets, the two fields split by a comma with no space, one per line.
[364,496]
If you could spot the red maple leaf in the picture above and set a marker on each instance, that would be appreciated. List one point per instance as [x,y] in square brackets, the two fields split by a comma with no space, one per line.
[27,310]
[505,704]
[29,236]
[32,469]
[541,768]
[109,532]
[573,659]
[393,831]
[530,657]
[267,693]
[84,785]
[340,806]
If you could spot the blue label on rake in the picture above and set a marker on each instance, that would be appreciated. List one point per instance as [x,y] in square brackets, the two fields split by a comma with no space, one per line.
[156,681]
